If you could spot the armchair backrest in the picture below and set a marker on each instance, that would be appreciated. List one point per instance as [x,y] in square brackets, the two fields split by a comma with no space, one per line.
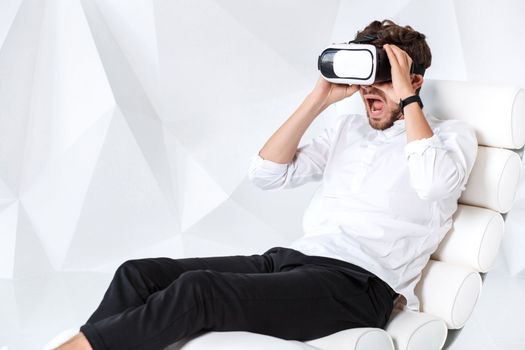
[451,281]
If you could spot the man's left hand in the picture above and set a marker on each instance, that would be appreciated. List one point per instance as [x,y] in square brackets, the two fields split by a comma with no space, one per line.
[401,63]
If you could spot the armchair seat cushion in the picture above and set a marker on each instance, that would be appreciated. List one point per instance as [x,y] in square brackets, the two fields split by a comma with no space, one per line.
[348,339]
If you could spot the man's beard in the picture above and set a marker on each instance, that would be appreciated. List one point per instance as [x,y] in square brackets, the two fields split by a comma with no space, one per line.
[385,124]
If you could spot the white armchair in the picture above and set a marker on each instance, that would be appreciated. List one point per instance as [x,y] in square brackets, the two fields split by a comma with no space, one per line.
[451,282]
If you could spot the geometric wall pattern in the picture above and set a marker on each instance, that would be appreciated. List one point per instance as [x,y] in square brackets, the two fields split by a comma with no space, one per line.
[126,126]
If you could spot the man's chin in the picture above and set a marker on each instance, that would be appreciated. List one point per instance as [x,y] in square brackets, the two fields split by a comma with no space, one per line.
[384,121]
[381,123]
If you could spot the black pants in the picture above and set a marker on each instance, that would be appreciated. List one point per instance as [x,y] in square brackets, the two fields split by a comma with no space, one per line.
[152,303]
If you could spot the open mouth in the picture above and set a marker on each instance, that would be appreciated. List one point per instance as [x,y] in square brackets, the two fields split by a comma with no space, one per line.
[376,105]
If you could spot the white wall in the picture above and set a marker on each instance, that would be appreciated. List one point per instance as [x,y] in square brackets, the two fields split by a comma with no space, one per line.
[126,126]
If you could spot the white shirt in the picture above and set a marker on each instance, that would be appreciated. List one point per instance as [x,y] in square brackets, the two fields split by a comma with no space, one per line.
[383,204]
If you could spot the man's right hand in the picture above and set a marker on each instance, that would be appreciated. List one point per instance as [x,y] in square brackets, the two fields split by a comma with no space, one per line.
[327,93]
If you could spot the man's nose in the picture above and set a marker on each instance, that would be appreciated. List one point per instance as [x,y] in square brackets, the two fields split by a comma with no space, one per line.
[375,87]
[367,89]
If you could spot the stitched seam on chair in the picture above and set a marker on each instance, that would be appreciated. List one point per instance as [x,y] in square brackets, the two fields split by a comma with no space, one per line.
[374,330]
[456,297]
[499,182]
[359,338]
[483,238]
[418,328]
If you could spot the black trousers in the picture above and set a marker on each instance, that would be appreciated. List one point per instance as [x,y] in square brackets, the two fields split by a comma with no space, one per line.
[152,303]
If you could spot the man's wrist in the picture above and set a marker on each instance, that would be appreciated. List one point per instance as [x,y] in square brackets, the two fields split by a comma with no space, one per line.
[316,103]
[409,101]
[407,93]
[407,111]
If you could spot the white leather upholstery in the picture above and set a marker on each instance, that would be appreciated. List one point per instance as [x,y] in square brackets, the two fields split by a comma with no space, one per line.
[355,339]
[494,179]
[496,112]
[416,330]
[349,339]
[449,291]
[474,239]
[237,340]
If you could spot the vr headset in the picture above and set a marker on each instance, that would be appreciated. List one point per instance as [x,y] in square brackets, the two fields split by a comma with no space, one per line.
[358,63]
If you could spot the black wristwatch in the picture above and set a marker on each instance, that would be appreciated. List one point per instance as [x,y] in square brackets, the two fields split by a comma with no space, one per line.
[409,100]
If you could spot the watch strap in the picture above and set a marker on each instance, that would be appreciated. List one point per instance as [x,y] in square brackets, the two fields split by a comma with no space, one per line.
[414,98]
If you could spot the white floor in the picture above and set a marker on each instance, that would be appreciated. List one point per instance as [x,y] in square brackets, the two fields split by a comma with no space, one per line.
[33,310]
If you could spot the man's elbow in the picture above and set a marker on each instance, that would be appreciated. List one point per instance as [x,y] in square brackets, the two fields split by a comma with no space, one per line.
[267,184]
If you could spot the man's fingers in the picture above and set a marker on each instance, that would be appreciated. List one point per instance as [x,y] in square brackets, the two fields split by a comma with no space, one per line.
[401,55]
[391,56]
[351,89]
[397,53]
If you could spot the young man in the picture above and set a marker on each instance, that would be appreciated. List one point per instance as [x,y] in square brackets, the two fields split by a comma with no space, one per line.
[390,184]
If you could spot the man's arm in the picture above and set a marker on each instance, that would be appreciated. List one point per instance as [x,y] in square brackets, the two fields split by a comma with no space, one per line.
[404,85]
[439,165]
[282,145]
[416,124]
[280,164]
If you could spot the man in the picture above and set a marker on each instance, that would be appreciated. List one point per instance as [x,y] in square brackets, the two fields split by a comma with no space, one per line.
[390,184]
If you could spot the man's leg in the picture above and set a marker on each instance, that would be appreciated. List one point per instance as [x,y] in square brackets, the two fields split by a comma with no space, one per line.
[135,280]
[302,303]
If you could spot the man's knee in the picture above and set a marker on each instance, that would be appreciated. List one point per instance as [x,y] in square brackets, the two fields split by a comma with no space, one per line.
[130,269]
[200,281]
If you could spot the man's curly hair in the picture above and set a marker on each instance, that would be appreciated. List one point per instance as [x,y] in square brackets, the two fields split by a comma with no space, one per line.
[408,39]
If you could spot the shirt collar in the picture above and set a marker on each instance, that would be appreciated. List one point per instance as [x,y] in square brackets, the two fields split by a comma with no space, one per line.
[394,130]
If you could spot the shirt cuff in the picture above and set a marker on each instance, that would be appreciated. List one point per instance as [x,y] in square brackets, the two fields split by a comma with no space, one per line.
[419,146]
[259,162]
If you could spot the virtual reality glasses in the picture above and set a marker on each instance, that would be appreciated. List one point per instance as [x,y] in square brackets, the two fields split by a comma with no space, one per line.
[357,63]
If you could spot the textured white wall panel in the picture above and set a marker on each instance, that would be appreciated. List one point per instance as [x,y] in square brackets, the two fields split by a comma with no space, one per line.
[126,127]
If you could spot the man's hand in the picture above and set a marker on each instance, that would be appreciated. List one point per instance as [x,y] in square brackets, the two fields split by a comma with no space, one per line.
[400,62]
[327,93]
[404,86]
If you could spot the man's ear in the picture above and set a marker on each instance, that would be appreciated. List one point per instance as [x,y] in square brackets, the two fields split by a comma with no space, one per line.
[417,81]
